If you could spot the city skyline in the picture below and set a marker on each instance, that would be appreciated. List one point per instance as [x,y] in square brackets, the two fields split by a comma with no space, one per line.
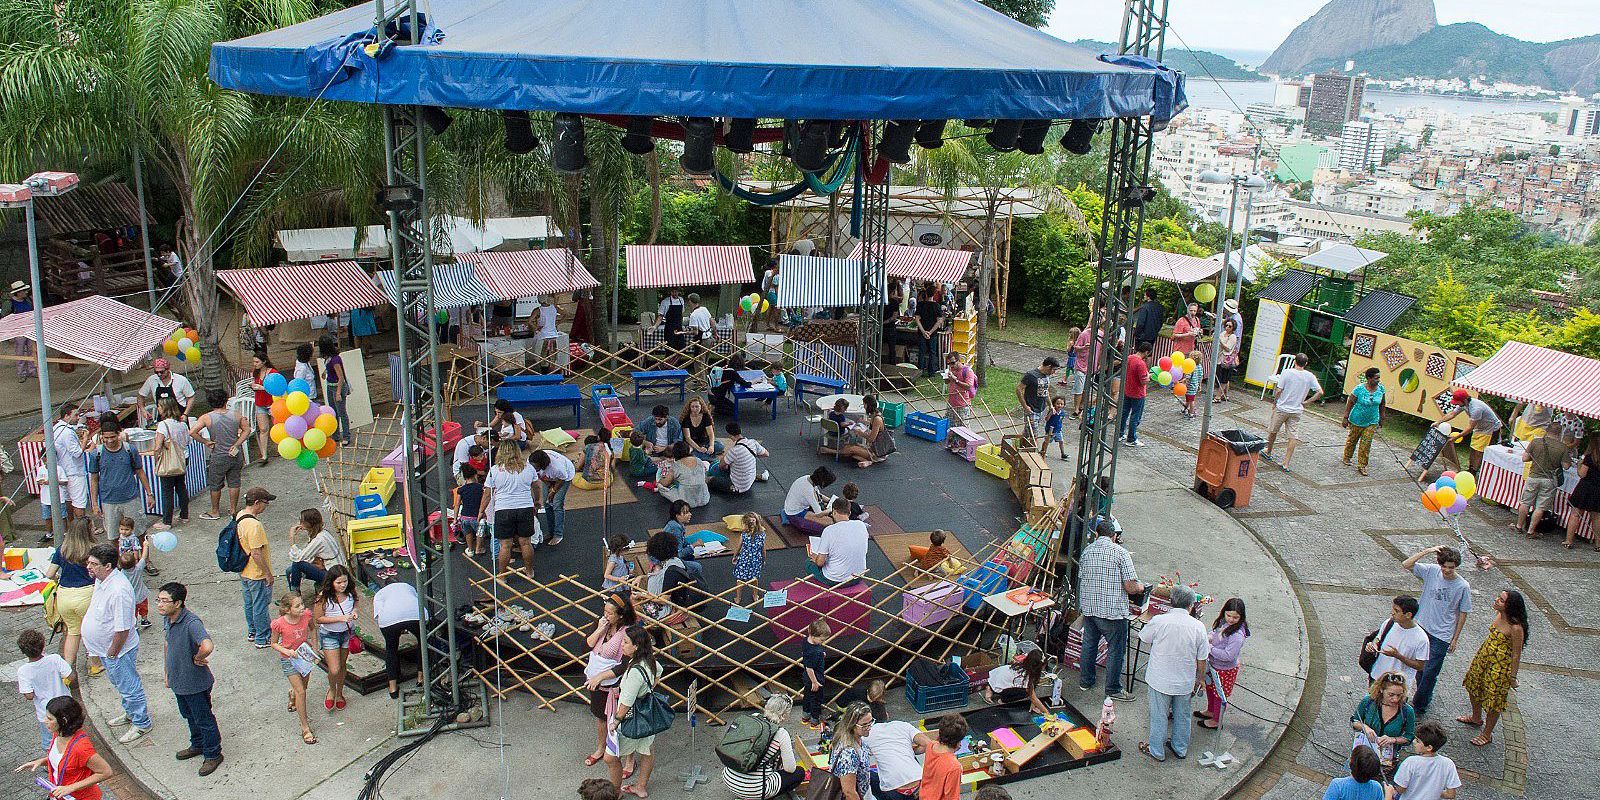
[1215,25]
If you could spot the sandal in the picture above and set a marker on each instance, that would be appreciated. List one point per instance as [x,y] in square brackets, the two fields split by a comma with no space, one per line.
[209,516]
[1466,719]
[308,737]
[627,770]
[1482,740]
[1209,725]
[635,791]
[590,761]
[1144,747]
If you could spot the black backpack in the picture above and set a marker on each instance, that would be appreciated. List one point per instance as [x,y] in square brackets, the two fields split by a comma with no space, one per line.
[746,743]
[231,556]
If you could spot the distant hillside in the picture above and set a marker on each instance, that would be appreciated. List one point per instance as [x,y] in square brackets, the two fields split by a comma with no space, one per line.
[1469,50]
[1343,27]
[1198,65]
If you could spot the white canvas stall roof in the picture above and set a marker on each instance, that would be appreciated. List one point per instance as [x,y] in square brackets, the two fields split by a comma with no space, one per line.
[965,201]
[97,329]
[1174,267]
[1252,257]
[464,236]
[1345,258]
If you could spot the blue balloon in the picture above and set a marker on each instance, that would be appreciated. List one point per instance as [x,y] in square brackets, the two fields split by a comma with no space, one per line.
[276,385]
[165,541]
[299,385]
[1443,482]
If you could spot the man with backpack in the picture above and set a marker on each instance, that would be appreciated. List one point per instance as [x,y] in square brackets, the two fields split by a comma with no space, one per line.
[242,548]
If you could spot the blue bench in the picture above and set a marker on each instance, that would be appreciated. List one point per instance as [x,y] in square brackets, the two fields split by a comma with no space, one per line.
[741,393]
[561,394]
[653,380]
[532,380]
[822,386]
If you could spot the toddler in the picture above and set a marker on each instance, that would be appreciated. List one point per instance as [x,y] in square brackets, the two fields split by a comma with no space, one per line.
[815,660]
[1055,426]
[618,573]
[42,679]
[131,562]
[1072,352]
[936,553]
[751,559]
[469,496]
[1196,383]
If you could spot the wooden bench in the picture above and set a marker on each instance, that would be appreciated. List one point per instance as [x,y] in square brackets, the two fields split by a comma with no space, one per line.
[653,380]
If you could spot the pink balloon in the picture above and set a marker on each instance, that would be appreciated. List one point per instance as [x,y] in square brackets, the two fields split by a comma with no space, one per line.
[311,415]
[295,427]
[324,410]
[1459,505]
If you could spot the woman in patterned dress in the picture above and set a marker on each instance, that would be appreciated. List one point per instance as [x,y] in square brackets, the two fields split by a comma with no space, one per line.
[1493,673]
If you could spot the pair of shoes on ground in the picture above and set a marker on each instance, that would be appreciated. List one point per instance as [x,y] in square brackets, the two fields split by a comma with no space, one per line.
[130,735]
[206,767]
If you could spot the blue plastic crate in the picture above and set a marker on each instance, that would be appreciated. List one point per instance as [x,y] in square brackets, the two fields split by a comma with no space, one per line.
[982,582]
[927,699]
[370,505]
[923,425]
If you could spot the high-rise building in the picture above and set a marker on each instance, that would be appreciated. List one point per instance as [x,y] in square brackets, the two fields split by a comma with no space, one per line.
[1361,146]
[1578,119]
[1291,94]
[1335,100]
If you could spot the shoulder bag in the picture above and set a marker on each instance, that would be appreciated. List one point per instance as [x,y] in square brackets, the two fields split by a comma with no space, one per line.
[1367,659]
[649,715]
[169,461]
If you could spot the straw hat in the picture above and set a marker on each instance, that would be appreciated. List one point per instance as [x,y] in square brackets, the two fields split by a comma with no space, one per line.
[18,287]
[1231,305]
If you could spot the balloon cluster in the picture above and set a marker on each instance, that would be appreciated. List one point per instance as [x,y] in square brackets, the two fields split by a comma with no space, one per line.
[754,303]
[1450,493]
[184,343]
[1171,371]
[302,429]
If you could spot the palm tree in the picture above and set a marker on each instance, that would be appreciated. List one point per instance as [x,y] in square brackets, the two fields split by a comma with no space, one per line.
[82,77]
[966,160]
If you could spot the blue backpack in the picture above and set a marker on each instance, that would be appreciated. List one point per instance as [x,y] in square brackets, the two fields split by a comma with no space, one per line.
[231,556]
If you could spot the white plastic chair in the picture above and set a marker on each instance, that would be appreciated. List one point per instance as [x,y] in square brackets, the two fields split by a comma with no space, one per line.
[1285,361]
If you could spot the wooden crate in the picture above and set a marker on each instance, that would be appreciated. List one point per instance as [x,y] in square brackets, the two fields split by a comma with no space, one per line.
[1014,444]
[989,461]
[1039,502]
[1029,470]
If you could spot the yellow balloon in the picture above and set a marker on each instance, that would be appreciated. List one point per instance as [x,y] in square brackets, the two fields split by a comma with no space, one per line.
[289,448]
[327,423]
[277,434]
[1446,496]
[765,305]
[1466,485]
[314,439]
[297,403]
[170,347]
[192,355]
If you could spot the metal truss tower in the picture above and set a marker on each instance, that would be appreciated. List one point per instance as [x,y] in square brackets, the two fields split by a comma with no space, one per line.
[874,199]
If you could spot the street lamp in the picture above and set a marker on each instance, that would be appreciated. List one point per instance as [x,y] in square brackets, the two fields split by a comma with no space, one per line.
[43,184]
[1251,184]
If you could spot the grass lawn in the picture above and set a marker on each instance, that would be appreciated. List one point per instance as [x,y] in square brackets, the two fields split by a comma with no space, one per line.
[1000,393]
[1028,329]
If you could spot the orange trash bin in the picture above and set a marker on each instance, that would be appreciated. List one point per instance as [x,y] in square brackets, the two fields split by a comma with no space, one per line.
[1225,470]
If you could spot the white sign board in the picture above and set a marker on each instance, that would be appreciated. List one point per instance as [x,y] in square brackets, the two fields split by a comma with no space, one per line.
[1266,342]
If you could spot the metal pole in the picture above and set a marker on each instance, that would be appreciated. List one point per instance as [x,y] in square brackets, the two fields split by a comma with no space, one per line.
[1244,235]
[1217,310]
[46,407]
[144,229]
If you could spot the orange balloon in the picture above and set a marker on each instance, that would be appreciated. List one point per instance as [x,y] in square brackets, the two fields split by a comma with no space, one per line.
[1179,389]
[327,449]
[1428,502]
[280,410]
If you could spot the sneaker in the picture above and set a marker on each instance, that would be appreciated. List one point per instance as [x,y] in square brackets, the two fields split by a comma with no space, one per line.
[144,623]
[133,735]
[1136,442]
[118,721]
[261,645]
[764,476]
[210,765]
[1121,697]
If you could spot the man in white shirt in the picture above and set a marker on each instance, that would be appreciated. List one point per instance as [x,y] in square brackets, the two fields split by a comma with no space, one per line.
[737,469]
[1401,644]
[545,318]
[109,634]
[1175,672]
[464,447]
[164,385]
[70,462]
[556,471]
[1296,387]
[895,745]
[699,321]
[839,556]
[805,497]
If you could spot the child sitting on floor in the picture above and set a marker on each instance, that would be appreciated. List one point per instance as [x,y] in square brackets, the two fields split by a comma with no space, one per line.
[750,561]
[595,470]
[936,552]
[641,467]
[618,572]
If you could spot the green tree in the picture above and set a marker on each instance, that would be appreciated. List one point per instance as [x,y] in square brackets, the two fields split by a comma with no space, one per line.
[106,78]
[1028,12]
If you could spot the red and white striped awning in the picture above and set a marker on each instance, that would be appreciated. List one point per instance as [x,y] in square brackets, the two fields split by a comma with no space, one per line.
[1531,374]
[1174,267]
[96,329]
[922,263]
[530,273]
[658,266]
[301,291]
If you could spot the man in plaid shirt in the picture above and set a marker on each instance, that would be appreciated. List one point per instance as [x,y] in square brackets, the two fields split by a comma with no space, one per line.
[1105,579]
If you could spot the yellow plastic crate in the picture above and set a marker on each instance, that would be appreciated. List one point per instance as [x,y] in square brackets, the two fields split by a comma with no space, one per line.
[379,481]
[990,461]
[376,533]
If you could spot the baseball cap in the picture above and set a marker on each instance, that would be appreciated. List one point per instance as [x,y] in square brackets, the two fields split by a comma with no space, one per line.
[256,494]
[1459,396]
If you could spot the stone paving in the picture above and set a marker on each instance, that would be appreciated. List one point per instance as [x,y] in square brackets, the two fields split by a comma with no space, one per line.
[1341,538]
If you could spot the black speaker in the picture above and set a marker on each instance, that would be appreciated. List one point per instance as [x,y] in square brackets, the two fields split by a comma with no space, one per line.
[435,118]
[810,151]
[1031,140]
[699,140]
[740,137]
[1004,135]
[637,139]
[566,154]
[1079,138]
[519,132]
[930,134]
[896,143]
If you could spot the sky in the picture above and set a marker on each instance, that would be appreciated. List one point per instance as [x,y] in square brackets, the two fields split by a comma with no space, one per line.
[1261,25]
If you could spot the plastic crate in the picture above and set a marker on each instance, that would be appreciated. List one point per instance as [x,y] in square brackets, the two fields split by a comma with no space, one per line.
[926,699]
[923,425]
[370,505]
[894,414]
[982,582]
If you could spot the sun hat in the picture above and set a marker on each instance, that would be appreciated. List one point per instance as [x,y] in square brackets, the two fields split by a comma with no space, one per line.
[18,286]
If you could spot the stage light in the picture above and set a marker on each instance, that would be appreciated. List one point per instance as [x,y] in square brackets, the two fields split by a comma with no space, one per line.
[1031,140]
[978,123]
[1079,138]
[566,154]
[930,134]
[519,132]
[810,150]
[896,143]
[699,139]
[436,119]
[740,137]
[638,140]
[837,132]
[1004,135]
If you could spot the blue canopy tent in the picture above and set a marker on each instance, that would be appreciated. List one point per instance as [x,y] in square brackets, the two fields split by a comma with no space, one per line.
[822,59]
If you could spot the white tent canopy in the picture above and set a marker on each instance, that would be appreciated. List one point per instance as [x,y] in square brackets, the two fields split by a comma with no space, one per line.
[1345,258]
[464,236]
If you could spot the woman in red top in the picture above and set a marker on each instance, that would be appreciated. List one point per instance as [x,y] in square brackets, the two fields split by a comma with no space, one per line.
[75,768]
[260,368]
[1186,331]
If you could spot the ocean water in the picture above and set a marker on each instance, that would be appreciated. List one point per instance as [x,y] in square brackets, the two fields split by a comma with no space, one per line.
[1226,95]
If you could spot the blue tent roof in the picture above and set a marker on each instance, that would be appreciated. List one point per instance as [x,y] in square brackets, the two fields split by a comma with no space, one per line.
[819,59]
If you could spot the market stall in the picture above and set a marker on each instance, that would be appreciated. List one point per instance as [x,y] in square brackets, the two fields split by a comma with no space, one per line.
[1180,270]
[1528,373]
[653,267]
[272,295]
